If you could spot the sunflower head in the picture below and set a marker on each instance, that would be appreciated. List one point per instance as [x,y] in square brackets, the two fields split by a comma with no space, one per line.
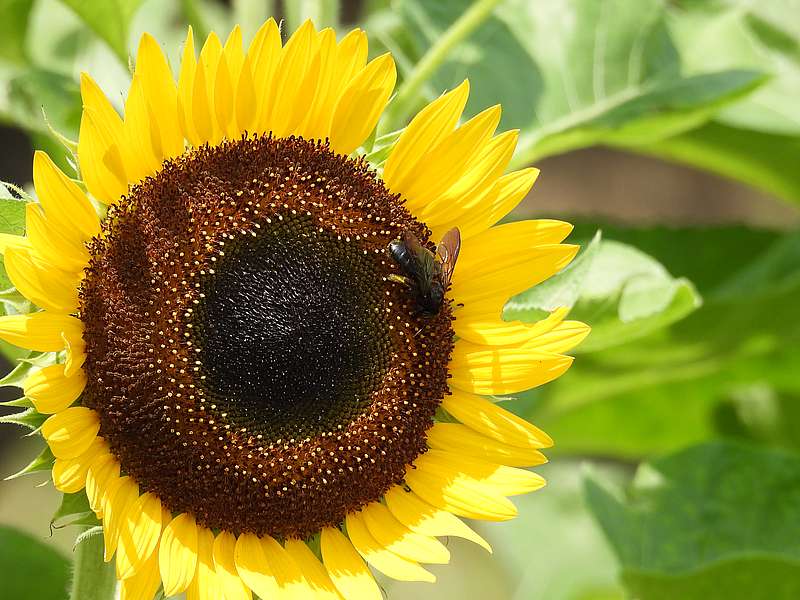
[241,376]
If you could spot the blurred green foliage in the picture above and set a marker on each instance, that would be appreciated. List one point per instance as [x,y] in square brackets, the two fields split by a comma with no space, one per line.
[696,334]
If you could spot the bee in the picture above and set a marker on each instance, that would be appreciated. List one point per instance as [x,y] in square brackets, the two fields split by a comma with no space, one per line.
[426,273]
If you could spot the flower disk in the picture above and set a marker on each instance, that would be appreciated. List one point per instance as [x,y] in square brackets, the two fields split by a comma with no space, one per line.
[241,329]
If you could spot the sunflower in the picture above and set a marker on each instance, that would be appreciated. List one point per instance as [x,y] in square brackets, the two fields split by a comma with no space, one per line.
[243,382]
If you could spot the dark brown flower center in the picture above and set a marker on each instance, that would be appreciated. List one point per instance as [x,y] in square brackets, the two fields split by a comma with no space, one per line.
[250,361]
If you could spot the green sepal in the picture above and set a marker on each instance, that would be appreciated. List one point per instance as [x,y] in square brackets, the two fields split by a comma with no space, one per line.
[20,372]
[24,402]
[43,462]
[74,510]
[381,148]
[29,418]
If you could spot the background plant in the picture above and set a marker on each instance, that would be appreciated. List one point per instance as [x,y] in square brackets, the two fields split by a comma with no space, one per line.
[676,473]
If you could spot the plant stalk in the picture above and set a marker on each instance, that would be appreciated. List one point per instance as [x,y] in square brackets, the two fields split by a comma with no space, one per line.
[92,577]
[407,95]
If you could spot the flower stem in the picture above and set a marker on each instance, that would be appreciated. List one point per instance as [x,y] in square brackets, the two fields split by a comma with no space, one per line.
[404,102]
[92,578]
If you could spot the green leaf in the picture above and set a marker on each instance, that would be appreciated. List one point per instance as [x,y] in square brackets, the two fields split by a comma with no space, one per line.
[74,510]
[88,534]
[43,462]
[561,290]
[31,568]
[30,90]
[109,19]
[14,29]
[682,384]
[574,73]
[621,292]
[713,35]
[12,215]
[695,516]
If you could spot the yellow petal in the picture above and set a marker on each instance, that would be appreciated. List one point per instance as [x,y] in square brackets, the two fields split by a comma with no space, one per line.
[495,422]
[185,90]
[46,286]
[158,87]
[224,111]
[139,533]
[228,70]
[346,568]
[254,568]
[351,56]
[316,124]
[424,131]
[506,193]
[503,370]
[290,579]
[8,240]
[378,556]
[69,475]
[76,354]
[101,134]
[223,553]
[340,63]
[458,493]
[144,584]
[416,514]
[561,338]
[514,272]
[177,554]
[142,134]
[40,331]
[205,123]
[295,81]
[454,437]
[246,103]
[233,51]
[102,472]
[263,54]
[397,538]
[446,163]
[362,104]
[206,585]
[508,239]
[71,432]
[508,481]
[117,500]
[51,391]
[489,330]
[312,569]
[65,205]
[51,244]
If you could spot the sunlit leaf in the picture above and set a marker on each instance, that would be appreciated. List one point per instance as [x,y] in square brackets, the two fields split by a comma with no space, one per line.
[574,73]
[109,19]
[621,292]
[714,521]
[14,29]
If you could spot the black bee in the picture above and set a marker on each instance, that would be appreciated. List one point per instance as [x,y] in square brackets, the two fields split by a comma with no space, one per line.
[424,274]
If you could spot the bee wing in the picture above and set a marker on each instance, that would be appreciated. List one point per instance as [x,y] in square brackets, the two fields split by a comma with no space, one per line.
[425,262]
[448,250]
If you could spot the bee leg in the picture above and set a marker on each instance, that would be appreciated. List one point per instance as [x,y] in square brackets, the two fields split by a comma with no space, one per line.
[399,279]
